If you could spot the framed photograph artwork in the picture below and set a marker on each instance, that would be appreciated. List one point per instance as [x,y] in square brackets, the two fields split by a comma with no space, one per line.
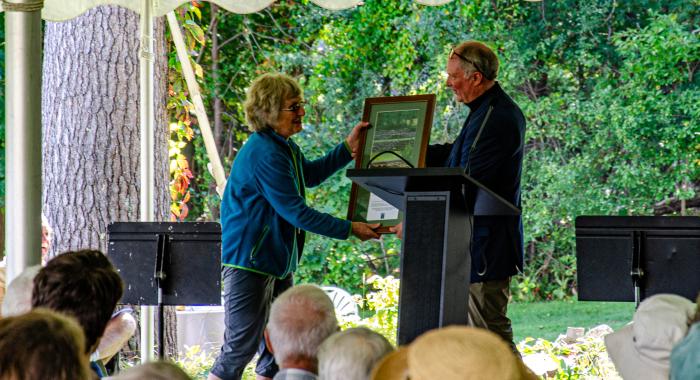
[398,138]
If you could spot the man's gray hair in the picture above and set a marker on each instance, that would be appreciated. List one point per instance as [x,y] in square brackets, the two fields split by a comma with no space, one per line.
[480,58]
[351,354]
[301,318]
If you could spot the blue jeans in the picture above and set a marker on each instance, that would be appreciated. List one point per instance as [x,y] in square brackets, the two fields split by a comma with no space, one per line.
[247,299]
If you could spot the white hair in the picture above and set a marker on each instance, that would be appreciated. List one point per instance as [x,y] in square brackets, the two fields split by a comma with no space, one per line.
[301,318]
[18,298]
[351,354]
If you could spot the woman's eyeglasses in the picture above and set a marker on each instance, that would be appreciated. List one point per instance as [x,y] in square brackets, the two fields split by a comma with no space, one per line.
[294,107]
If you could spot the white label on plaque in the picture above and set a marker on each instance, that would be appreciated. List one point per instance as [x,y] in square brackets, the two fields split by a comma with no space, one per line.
[380,210]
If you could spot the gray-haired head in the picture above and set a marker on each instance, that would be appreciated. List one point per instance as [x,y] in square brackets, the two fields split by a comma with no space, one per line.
[301,318]
[476,56]
[265,98]
[18,298]
[351,354]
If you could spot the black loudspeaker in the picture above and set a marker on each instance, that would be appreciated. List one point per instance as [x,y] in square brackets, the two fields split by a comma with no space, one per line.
[187,257]
[629,258]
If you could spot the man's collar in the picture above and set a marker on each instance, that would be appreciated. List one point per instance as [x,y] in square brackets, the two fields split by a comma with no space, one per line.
[476,103]
[297,373]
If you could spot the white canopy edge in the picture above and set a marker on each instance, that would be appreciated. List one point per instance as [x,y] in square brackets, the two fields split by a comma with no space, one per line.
[61,10]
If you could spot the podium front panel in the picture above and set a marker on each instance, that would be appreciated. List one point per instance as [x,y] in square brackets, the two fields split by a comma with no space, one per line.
[421,266]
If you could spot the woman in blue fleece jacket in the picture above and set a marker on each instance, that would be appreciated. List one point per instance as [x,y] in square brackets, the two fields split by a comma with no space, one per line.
[264,217]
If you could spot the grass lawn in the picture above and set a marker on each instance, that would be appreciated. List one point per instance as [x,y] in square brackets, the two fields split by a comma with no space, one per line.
[549,319]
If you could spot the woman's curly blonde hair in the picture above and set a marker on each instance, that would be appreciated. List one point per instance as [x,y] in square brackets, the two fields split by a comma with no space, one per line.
[266,97]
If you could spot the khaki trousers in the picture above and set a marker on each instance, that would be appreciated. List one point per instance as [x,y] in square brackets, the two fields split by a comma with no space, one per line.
[488,306]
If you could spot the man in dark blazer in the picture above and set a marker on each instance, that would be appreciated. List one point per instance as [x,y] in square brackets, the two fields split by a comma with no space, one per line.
[490,149]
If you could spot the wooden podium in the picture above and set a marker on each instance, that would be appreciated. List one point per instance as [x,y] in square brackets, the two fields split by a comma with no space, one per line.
[438,206]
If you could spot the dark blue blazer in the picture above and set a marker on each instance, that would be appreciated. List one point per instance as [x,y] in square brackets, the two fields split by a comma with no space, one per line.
[495,160]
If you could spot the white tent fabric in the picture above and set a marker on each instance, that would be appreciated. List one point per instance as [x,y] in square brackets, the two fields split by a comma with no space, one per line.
[65,10]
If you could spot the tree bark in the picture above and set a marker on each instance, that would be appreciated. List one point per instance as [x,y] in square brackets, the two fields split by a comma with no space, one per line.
[90,111]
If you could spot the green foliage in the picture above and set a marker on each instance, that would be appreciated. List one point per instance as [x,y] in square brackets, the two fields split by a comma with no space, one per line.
[181,108]
[380,305]
[609,90]
[195,362]
[585,358]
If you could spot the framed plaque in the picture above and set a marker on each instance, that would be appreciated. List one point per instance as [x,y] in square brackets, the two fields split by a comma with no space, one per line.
[398,138]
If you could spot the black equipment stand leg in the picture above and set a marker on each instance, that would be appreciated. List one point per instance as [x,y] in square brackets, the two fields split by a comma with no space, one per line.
[160,276]
[637,273]
[435,263]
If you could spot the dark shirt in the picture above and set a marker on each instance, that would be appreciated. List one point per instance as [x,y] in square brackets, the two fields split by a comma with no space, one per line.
[495,160]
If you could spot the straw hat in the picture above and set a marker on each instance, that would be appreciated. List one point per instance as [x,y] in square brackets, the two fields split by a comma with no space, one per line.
[454,353]
[393,366]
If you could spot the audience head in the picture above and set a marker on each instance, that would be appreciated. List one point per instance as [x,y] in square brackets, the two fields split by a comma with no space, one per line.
[351,354]
[42,344]
[301,318]
[18,299]
[81,284]
[685,357]
[642,349]
[455,353]
[153,371]
[46,236]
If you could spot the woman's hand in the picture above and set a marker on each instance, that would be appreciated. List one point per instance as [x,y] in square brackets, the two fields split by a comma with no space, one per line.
[365,231]
[353,138]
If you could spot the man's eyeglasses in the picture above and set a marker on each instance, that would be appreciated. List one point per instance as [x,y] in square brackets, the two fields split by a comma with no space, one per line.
[295,107]
[465,59]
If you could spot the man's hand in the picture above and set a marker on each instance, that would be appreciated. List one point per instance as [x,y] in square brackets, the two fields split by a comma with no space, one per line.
[365,231]
[398,230]
[353,138]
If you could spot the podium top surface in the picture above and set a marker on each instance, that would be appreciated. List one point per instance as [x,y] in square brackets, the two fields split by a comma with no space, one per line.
[393,184]
[409,172]
[639,222]
[170,228]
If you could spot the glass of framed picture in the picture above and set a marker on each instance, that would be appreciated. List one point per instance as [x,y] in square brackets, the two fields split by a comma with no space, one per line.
[398,138]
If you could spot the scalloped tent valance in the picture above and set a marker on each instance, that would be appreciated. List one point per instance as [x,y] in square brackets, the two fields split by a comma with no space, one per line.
[60,10]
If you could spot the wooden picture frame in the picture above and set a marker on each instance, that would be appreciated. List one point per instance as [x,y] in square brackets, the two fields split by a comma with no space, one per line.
[398,138]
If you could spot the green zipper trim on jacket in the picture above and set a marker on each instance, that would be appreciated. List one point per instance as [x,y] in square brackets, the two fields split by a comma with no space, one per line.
[297,172]
[257,245]
[295,249]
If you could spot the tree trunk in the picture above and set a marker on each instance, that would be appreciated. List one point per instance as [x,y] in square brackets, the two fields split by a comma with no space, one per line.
[90,110]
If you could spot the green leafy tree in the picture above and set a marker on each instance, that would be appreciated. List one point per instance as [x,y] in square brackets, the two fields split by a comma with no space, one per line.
[609,90]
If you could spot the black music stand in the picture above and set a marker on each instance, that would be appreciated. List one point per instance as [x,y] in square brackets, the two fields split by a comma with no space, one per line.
[629,258]
[438,206]
[167,264]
